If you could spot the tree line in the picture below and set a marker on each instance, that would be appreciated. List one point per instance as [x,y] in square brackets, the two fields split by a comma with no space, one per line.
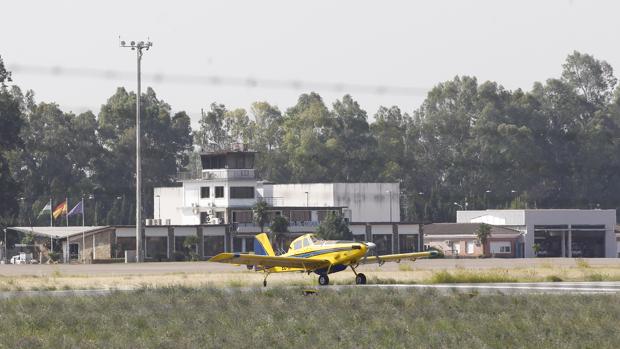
[469,145]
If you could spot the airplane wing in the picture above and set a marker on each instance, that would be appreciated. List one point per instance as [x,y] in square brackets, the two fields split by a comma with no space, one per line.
[270,261]
[397,257]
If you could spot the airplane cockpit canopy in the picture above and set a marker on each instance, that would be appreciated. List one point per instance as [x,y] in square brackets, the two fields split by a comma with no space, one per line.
[304,241]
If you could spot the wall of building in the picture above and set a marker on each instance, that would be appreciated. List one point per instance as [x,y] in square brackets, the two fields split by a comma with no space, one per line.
[319,194]
[170,201]
[527,220]
[368,202]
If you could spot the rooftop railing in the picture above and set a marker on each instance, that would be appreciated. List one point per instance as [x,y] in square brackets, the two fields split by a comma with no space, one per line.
[216,174]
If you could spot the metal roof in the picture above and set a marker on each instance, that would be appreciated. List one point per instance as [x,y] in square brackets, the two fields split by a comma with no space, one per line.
[58,232]
[466,229]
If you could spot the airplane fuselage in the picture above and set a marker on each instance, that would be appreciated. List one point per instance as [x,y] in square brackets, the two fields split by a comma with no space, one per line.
[340,254]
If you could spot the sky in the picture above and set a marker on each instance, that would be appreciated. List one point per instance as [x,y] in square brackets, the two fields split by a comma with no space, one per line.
[415,44]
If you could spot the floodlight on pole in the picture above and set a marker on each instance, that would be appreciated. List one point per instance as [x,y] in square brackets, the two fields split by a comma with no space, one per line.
[138,47]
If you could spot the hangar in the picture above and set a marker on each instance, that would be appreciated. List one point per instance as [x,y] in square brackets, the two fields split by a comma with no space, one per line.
[555,232]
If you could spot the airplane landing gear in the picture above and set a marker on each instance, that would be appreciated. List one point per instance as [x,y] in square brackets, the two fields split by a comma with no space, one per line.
[360,279]
[265,280]
[323,280]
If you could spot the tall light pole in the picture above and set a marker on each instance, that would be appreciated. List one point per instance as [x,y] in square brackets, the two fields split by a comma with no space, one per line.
[486,200]
[306,198]
[138,47]
[5,247]
[390,192]
[92,197]
[158,206]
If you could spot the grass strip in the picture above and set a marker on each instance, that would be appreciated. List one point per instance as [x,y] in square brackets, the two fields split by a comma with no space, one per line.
[279,318]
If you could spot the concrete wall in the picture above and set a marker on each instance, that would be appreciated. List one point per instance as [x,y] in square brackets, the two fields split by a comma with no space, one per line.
[368,202]
[96,245]
[319,194]
[170,201]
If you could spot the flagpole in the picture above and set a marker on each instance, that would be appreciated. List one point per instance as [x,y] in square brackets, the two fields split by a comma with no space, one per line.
[67,220]
[83,238]
[51,238]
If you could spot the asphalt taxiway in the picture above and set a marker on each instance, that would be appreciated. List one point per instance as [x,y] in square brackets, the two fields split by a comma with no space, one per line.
[566,288]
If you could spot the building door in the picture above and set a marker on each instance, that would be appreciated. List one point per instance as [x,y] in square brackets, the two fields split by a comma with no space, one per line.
[74,252]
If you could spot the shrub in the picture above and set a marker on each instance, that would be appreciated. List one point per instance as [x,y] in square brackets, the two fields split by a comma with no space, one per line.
[54,256]
[553,278]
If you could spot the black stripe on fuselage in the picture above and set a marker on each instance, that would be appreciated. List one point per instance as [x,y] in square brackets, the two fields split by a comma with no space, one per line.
[320,252]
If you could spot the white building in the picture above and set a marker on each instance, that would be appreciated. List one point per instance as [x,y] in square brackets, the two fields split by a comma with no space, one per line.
[227,188]
[557,232]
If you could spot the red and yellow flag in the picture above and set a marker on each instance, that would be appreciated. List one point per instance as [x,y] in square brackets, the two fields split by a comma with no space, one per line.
[60,209]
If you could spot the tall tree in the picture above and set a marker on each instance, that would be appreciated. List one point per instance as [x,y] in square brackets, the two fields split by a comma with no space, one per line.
[11,121]
[355,146]
[166,142]
[307,142]
[591,78]
[212,133]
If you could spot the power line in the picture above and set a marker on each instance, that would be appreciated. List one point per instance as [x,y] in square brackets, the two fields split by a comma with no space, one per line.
[220,80]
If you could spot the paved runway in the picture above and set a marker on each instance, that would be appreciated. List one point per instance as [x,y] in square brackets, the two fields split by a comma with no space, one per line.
[515,288]
[446,289]
[206,267]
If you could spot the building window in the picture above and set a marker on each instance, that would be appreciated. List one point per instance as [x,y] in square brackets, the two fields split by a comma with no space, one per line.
[242,192]
[470,247]
[157,247]
[242,216]
[408,243]
[500,247]
[219,192]
[243,244]
[124,244]
[205,192]
[213,244]
[204,218]
[383,242]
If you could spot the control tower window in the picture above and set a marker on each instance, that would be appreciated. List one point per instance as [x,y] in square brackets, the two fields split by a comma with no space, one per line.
[205,192]
[242,192]
[219,192]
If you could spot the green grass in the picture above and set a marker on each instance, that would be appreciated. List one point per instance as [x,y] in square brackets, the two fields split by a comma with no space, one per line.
[465,276]
[282,318]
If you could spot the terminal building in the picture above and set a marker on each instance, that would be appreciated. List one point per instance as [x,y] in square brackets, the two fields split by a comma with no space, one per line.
[226,189]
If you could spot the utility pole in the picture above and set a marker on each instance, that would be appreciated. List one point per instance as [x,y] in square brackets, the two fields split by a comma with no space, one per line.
[390,192]
[5,247]
[138,47]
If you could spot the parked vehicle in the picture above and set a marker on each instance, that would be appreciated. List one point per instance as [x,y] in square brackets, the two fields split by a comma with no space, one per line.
[22,258]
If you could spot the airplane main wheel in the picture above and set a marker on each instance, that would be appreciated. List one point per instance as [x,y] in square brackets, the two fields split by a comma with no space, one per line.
[360,279]
[323,280]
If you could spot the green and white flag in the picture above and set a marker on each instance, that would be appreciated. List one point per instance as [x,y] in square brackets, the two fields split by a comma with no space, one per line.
[47,208]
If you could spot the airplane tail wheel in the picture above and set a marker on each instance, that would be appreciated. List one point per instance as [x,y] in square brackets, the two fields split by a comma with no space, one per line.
[360,279]
[323,280]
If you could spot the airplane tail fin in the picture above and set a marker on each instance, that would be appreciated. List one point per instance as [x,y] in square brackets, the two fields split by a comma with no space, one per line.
[262,246]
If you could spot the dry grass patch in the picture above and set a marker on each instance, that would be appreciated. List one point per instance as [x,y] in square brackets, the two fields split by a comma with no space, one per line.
[279,318]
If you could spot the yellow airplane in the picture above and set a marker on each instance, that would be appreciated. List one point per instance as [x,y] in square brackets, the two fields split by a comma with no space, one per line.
[309,254]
